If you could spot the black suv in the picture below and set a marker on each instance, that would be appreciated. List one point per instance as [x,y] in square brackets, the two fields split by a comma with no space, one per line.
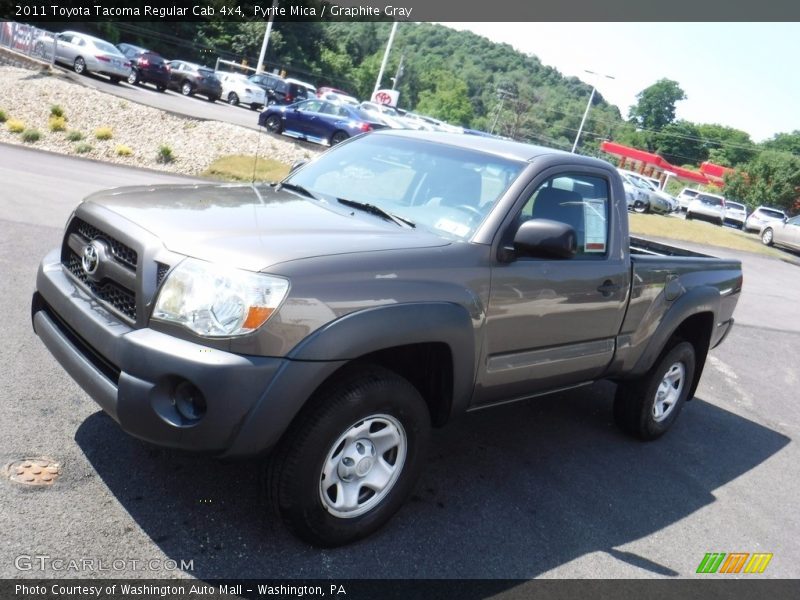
[279,91]
[189,79]
[146,66]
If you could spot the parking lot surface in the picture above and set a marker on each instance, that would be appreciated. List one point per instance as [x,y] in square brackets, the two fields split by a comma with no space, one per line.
[546,488]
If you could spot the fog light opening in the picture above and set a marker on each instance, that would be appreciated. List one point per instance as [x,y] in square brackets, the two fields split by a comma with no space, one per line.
[189,401]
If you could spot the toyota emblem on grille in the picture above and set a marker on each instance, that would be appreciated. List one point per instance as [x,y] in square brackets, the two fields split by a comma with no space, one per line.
[91,258]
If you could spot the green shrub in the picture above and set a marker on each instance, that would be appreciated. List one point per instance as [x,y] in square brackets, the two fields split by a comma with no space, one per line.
[123,150]
[83,148]
[165,155]
[57,123]
[3,116]
[103,133]
[15,126]
[31,135]
[74,136]
[57,111]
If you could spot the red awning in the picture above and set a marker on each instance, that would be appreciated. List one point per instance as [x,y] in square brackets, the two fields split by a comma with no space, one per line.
[635,154]
[709,172]
[709,169]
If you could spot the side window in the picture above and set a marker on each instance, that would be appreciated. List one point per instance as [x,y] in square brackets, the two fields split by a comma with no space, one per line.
[581,201]
[311,106]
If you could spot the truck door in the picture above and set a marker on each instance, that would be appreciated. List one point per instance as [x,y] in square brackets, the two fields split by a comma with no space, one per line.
[552,323]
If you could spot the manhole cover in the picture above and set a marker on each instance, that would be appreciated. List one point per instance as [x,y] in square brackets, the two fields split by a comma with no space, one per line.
[33,471]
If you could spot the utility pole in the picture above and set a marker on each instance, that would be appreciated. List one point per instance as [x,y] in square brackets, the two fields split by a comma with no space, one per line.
[399,73]
[588,106]
[502,95]
[385,58]
[267,32]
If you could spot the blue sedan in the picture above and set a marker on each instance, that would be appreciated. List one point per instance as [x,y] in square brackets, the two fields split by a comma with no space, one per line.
[318,121]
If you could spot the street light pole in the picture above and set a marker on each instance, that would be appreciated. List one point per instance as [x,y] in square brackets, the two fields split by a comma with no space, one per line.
[586,112]
[267,32]
[385,59]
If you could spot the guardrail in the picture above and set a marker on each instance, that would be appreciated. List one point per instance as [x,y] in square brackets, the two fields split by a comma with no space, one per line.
[27,40]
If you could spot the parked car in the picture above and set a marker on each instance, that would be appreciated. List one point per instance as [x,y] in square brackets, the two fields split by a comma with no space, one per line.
[784,233]
[146,66]
[685,197]
[636,198]
[735,213]
[658,201]
[238,89]
[282,91]
[318,121]
[336,97]
[190,79]
[310,90]
[763,215]
[88,54]
[707,207]
[379,292]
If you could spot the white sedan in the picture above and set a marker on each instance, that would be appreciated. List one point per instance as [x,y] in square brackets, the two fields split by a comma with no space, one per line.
[237,89]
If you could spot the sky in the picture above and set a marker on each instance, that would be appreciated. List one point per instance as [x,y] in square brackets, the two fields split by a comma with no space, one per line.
[742,75]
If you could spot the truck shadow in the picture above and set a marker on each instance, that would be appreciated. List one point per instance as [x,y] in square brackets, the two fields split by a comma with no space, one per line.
[508,493]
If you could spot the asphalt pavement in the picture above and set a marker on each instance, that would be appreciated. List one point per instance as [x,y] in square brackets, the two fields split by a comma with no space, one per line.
[546,488]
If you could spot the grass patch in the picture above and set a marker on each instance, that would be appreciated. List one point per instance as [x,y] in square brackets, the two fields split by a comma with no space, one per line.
[164,154]
[123,150]
[74,136]
[15,126]
[698,232]
[31,136]
[103,133]
[239,167]
[83,148]
[57,123]
[57,111]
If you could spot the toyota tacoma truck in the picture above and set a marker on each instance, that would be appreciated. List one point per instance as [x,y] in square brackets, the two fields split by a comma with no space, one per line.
[330,321]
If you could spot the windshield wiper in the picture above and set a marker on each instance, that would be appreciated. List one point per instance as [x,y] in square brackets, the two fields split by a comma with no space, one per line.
[377,210]
[295,188]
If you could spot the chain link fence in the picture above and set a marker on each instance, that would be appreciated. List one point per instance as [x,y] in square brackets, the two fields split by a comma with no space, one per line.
[27,39]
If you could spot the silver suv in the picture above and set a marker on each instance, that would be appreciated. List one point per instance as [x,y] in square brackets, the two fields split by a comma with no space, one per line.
[708,207]
[762,216]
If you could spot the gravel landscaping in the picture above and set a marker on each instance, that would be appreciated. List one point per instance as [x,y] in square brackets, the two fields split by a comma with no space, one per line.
[138,132]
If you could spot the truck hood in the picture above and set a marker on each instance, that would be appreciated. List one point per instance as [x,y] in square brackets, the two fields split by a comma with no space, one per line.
[255,228]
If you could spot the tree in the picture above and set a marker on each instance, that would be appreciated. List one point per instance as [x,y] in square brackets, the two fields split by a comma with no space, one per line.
[771,178]
[448,100]
[680,143]
[785,142]
[655,108]
[727,146]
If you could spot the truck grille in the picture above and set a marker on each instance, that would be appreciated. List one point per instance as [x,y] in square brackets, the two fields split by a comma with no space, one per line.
[119,297]
[116,294]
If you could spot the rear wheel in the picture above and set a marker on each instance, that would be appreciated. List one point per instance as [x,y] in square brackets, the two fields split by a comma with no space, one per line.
[79,66]
[689,216]
[647,407]
[187,89]
[233,99]
[114,80]
[351,458]
[767,236]
[212,99]
[338,137]
[161,87]
[133,78]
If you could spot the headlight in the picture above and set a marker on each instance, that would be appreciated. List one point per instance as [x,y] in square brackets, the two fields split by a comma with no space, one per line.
[215,301]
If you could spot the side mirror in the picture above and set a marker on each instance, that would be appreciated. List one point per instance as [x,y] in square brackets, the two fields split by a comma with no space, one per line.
[543,238]
[297,164]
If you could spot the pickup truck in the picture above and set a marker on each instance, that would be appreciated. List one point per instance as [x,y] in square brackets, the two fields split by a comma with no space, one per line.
[331,321]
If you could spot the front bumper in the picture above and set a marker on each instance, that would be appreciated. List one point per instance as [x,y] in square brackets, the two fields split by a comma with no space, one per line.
[134,374]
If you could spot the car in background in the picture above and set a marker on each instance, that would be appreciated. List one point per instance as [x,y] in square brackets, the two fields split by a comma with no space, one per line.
[783,233]
[238,89]
[735,213]
[310,90]
[318,121]
[657,201]
[190,79]
[636,198]
[88,54]
[707,207]
[337,97]
[280,90]
[763,215]
[146,66]
[685,197]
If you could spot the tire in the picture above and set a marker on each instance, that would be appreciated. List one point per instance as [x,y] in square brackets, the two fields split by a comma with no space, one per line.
[338,137]
[721,222]
[255,106]
[767,237]
[641,207]
[233,99]
[114,80]
[79,66]
[689,216]
[647,407]
[187,89]
[271,102]
[274,124]
[212,99]
[161,88]
[367,419]
[133,78]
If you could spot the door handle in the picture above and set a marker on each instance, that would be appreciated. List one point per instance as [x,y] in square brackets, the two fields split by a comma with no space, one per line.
[608,288]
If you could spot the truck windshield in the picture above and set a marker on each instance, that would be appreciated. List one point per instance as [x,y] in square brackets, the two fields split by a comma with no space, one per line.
[446,189]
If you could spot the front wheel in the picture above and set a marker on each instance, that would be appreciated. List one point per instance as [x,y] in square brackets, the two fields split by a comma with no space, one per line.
[338,137]
[133,77]
[640,207]
[233,99]
[647,407]
[79,66]
[274,124]
[767,237]
[351,458]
